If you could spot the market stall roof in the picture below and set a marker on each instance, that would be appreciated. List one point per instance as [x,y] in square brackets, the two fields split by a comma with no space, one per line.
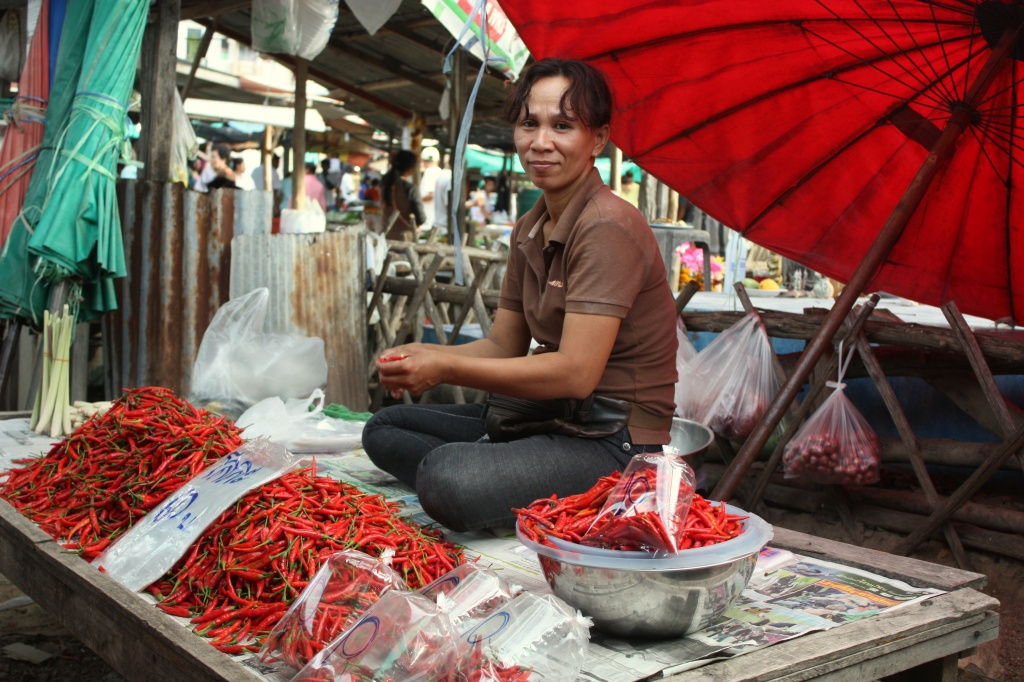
[384,78]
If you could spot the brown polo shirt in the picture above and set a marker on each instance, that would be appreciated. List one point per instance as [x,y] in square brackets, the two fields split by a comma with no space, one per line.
[602,259]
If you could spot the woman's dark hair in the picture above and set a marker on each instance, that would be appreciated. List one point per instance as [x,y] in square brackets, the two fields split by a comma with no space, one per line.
[402,161]
[588,94]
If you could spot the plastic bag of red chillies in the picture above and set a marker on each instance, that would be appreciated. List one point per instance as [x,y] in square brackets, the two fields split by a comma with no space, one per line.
[647,508]
[835,445]
[344,588]
[404,637]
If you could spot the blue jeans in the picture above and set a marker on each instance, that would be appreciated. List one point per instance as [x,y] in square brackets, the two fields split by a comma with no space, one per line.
[466,484]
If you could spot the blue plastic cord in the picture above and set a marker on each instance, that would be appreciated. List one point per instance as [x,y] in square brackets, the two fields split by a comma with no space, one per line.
[459,162]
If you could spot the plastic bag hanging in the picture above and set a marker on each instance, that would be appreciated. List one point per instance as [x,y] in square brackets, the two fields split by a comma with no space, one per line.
[835,445]
[730,384]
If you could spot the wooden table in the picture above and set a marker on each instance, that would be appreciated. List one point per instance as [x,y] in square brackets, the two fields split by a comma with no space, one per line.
[143,643]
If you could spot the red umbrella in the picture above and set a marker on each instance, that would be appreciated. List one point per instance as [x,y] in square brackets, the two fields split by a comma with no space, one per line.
[876,141]
[26,122]
[802,123]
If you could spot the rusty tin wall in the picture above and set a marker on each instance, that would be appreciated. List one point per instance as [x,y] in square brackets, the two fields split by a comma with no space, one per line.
[178,253]
[317,286]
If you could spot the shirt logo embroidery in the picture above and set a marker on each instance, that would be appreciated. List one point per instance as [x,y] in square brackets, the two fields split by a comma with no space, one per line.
[556,283]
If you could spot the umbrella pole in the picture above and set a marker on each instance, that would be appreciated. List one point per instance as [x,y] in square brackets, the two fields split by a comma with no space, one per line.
[937,158]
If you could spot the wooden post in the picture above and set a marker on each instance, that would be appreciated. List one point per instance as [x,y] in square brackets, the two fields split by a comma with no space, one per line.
[159,45]
[268,158]
[615,171]
[460,96]
[299,137]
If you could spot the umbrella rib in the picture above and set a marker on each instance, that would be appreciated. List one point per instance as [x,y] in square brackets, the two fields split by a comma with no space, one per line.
[1009,182]
[925,84]
[713,118]
[913,74]
[782,196]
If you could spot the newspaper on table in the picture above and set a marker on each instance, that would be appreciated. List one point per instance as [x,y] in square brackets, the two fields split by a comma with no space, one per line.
[18,441]
[788,596]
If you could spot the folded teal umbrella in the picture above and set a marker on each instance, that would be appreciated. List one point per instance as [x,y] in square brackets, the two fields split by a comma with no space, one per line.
[78,235]
[23,289]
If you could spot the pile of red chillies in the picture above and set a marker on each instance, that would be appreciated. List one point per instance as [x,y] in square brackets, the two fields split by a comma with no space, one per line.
[244,571]
[94,485]
[571,519]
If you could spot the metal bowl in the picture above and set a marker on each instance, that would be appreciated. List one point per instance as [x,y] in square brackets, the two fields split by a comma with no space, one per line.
[654,598]
[691,440]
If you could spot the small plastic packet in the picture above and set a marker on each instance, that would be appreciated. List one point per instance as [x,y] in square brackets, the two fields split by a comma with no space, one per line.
[836,445]
[469,594]
[534,637]
[404,637]
[344,588]
[647,508]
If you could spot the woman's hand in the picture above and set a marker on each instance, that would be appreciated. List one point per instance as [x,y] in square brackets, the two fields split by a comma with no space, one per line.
[412,367]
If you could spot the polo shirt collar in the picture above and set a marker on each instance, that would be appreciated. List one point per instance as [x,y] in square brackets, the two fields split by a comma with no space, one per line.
[584,192]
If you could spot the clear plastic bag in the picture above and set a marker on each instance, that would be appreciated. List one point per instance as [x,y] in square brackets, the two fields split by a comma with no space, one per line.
[730,384]
[404,637]
[469,594]
[647,508]
[344,589]
[300,429]
[238,365]
[275,26]
[535,637]
[183,142]
[297,27]
[685,353]
[836,444]
[153,545]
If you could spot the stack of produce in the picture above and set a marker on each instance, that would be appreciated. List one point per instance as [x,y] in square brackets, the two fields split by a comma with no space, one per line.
[254,560]
[95,484]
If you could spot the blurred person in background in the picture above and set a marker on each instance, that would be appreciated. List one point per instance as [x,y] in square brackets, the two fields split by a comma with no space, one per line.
[429,171]
[402,209]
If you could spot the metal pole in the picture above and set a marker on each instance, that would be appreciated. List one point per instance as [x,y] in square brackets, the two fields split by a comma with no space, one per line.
[299,137]
[940,154]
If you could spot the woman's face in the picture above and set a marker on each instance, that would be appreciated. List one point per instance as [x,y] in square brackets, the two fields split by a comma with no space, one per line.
[556,150]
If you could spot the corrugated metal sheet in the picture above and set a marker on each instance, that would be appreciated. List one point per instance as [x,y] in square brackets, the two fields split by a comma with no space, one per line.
[317,286]
[178,253]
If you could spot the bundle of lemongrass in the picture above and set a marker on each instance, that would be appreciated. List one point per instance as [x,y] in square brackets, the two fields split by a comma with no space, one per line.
[51,413]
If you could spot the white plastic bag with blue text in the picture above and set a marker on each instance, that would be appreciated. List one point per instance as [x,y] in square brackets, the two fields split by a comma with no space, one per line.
[147,551]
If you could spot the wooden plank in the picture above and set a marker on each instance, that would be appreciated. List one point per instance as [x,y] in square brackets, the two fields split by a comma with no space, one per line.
[996,347]
[899,639]
[932,658]
[913,571]
[136,639]
[906,433]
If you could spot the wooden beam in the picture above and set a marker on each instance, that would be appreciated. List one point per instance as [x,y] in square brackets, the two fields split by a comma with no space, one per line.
[392,66]
[206,9]
[322,76]
[158,86]
[204,46]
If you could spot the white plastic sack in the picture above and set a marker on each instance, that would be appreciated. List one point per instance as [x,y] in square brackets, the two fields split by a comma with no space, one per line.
[297,27]
[237,365]
[183,142]
[306,221]
[299,429]
[155,543]
[685,353]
